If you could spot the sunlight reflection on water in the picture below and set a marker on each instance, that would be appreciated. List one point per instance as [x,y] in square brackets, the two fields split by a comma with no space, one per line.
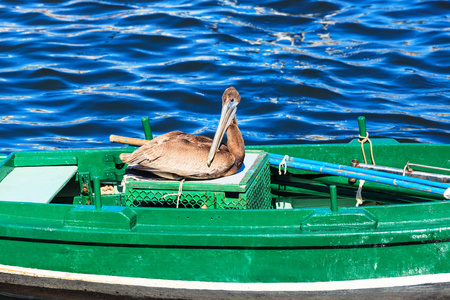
[73,73]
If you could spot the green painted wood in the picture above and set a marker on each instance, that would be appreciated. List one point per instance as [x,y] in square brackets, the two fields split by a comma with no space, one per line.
[110,217]
[6,166]
[147,129]
[230,246]
[349,218]
[362,126]
[216,245]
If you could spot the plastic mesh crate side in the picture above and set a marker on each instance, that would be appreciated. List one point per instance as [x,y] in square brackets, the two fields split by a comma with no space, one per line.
[143,197]
[188,199]
[258,194]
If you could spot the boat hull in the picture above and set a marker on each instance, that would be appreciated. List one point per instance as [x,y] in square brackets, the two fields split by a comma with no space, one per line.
[277,259]
[20,282]
[71,244]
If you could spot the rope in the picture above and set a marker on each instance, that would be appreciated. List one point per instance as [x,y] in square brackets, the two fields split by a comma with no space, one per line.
[362,140]
[283,163]
[359,199]
[180,191]
[135,177]
[406,168]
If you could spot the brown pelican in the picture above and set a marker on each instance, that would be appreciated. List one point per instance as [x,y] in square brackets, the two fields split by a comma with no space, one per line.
[178,155]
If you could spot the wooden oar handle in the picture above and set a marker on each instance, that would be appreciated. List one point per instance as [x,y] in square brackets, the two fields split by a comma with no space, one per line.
[126,140]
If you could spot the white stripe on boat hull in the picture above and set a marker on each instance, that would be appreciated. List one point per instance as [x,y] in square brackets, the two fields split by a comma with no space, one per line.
[233,286]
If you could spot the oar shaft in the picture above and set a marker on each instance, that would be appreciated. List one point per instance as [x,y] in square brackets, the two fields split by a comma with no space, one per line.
[351,172]
[364,171]
[126,140]
[444,179]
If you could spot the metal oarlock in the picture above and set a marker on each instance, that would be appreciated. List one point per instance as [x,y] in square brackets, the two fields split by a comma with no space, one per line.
[406,171]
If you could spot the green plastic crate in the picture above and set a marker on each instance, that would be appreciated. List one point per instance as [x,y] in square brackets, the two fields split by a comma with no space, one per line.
[248,189]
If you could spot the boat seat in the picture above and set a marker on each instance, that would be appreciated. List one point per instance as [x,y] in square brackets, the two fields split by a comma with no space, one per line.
[35,184]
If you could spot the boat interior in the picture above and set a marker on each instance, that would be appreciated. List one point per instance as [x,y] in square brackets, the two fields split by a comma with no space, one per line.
[98,177]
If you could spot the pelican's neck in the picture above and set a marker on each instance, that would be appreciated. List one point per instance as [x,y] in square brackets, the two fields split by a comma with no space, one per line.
[235,143]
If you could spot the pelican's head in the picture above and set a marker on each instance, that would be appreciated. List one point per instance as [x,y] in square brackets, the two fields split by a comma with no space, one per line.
[230,101]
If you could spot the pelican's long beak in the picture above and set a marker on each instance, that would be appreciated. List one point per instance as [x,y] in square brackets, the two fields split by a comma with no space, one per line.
[226,117]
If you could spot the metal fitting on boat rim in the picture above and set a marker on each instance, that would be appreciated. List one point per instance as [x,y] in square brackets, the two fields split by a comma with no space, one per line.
[447,193]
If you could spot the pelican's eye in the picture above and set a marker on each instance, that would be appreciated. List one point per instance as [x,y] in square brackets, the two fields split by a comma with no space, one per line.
[232,100]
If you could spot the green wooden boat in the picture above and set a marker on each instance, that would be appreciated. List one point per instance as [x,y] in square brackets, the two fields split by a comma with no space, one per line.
[78,222]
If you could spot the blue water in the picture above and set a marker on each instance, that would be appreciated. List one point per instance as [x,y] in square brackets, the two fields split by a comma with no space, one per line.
[72,73]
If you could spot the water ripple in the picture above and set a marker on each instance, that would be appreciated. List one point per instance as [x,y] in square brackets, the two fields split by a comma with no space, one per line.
[73,73]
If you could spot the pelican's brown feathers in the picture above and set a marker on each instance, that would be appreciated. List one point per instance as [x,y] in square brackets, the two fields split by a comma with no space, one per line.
[178,154]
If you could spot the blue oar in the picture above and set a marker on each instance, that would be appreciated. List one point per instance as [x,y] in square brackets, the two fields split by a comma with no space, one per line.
[364,171]
[370,175]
